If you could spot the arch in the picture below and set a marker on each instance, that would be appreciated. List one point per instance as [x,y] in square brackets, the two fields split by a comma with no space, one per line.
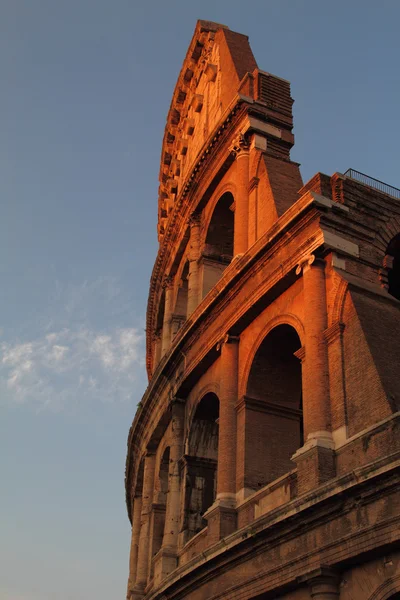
[159,502]
[157,334]
[386,233]
[138,485]
[286,319]
[228,187]
[209,388]
[389,590]
[217,247]
[179,313]
[392,264]
[200,464]
[336,315]
[271,409]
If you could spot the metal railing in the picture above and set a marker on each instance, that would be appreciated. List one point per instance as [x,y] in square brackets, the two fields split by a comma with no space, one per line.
[374,183]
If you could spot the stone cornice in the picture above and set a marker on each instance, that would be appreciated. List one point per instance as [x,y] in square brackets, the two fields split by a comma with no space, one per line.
[334,499]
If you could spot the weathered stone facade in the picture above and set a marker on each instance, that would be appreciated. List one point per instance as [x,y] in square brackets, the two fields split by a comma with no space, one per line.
[263,461]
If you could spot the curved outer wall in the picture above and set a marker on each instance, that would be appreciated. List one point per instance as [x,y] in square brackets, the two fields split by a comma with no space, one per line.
[263,459]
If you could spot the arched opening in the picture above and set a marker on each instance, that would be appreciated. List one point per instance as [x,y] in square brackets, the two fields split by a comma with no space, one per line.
[157,336]
[218,249]
[392,263]
[271,411]
[159,504]
[200,465]
[179,315]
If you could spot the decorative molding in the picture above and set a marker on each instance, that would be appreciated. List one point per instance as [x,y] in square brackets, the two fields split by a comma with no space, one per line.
[167,282]
[271,408]
[228,339]
[300,354]
[334,332]
[240,145]
[253,184]
[305,264]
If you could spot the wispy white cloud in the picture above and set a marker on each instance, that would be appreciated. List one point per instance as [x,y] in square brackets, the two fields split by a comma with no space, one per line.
[72,360]
[56,368]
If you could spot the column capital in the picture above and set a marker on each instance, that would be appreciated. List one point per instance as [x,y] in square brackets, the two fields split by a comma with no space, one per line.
[228,339]
[194,219]
[167,282]
[306,262]
[240,146]
[156,335]
[323,582]
[175,402]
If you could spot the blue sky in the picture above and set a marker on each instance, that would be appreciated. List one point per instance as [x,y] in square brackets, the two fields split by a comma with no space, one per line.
[86,86]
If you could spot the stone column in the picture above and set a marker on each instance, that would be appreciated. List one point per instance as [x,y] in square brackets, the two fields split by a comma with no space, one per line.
[323,583]
[194,295]
[241,234]
[168,308]
[315,460]
[166,560]
[143,553]
[221,517]
[136,518]
[226,480]
[156,348]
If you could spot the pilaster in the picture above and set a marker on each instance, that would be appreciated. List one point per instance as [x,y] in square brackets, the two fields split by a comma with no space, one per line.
[166,331]
[315,460]
[194,256]
[143,553]
[166,559]
[221,516]
[323,583]
[241,151]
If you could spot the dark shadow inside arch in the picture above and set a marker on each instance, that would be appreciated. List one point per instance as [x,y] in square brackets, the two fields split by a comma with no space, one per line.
[200,465]
[160,504]
[179,315]
[218,249]
[273,422]
[392,260]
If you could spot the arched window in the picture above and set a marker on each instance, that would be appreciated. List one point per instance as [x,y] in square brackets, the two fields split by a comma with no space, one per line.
[218,249]
[157,336]
[200,465]
[392,264]
[272,416]
[179,315]
[159,504]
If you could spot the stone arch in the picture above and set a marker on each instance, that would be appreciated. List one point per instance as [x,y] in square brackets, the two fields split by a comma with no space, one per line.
[137,488]
[180,310]
[157,334]
[159,502]
[208,388]
[271,416]
[336,314]
[389,590]
[228,187]
[217,246]
[391,264]
[385,234]
[285,319]
[200,464]
[257,165]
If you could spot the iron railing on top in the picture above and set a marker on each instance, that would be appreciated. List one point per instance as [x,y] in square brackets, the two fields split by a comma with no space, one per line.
[375,183]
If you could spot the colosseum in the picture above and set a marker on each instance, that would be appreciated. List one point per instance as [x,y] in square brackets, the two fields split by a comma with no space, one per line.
[263,460]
